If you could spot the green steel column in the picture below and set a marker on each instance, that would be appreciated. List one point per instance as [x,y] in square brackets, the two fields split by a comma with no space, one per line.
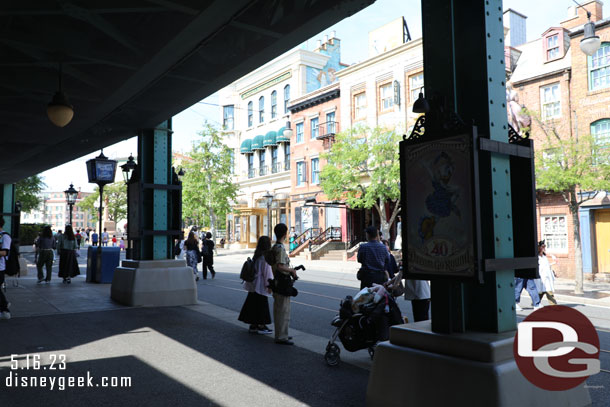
[7,204]
[464,61]
[155,162]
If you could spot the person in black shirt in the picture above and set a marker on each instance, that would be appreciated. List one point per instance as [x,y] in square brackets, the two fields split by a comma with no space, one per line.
[207,250]
[391,266]
[374,258]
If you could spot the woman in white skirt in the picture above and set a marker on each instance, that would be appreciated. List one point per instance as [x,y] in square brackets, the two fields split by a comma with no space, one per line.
[547,275]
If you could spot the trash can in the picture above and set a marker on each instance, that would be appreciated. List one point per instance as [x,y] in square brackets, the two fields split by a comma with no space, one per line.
[101,263]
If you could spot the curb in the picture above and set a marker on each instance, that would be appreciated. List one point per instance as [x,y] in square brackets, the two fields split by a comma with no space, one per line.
[582,301]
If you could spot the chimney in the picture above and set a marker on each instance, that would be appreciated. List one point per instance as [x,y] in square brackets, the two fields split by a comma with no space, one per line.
[333,34]
[578,16]
[325,38]
[319,44]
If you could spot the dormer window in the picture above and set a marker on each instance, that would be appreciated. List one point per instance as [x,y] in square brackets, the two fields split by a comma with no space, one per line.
[555,43]
[552,47]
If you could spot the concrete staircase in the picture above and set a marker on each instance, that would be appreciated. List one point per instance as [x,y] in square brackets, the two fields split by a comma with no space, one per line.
[333,255]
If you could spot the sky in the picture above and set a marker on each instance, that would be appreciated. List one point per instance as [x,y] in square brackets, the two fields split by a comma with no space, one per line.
[352,31]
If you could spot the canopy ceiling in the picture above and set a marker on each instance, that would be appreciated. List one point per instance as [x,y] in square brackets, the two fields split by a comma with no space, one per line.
[130,64]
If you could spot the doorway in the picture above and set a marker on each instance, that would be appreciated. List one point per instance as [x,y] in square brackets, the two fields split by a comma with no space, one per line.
[602,237]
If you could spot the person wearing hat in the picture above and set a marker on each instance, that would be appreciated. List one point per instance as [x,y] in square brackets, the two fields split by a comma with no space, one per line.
[547,275]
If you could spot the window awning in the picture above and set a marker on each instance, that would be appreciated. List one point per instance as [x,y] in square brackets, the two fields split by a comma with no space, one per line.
[246,146]
[257,143]
[280,136]
[269,139]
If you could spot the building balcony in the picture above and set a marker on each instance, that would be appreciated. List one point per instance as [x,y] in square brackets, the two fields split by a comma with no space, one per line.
[262,171]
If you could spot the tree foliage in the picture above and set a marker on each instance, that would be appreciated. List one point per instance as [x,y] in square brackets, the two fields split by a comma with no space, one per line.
[27,191]
[207,186]
[115,199]
[363,169]
[570,165]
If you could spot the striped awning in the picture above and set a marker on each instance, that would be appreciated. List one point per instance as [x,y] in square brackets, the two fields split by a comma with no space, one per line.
[246,146]
[257,143]
[269,139]
[280,136]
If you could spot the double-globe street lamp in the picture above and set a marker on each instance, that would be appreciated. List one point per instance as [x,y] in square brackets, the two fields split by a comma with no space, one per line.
[127,169]
[71,195]
[268,200]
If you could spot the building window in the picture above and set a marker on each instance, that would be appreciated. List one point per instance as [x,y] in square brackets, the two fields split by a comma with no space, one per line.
[262,170]
[274,164]
[286,157]
[250,114]
[315,171]
[315,131]
[300,136]
[250,165]
[552,47]
[555,232]
[360,106]
[261,109]
[601,134]
[273,104]
[550,100]
[227,117]
[331,127]
[232,158]
[386,97]
[300,173]
[416,86]
[599,68]
[286,98]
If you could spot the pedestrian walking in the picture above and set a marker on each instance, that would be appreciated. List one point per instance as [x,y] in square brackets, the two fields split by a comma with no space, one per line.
[46,242]
[78,239]
[94,238]
[207,252]
[373,256]
[281,271]
[193,254]
[36,247]
[530,286]
[418,292]
[68,265]
[122,244]
[547,275]
[114,240]
[255,310]
[5,247]
[105,238]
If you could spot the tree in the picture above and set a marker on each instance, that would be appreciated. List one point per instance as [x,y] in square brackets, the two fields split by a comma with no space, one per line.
[576,167]
[363,169]
[207,187]
[115,199]
[27,191]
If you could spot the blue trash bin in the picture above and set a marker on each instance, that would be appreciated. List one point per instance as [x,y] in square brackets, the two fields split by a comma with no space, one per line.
[101,263]
[91,264]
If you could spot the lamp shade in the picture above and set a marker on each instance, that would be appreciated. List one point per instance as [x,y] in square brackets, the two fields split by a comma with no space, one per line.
[128,167]
[71,195]
[101,170]
[421,105]
[60,111]
[591,42]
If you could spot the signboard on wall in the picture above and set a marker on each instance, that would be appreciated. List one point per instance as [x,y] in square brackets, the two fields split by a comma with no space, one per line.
[387,37]
[441,222]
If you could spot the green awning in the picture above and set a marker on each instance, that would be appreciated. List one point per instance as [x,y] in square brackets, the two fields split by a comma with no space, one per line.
[269,139]
[280,136]
[257,143]
[246,146]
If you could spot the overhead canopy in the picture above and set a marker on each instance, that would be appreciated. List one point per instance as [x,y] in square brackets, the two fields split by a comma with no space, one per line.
[130,64]
[257,143]
[246,146]
[280,136]
[269,139]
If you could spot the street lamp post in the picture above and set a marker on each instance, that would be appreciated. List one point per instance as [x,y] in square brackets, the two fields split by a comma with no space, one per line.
[127,169]
[101,171]
[71,195]
[268,200]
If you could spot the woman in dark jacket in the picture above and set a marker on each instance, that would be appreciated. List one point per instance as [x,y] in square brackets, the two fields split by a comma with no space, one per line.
[68,265]
[45,245]
[193,254]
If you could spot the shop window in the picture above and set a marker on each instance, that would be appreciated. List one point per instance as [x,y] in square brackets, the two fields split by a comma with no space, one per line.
[555,232]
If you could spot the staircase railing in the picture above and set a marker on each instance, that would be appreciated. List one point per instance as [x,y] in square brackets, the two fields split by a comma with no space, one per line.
[333,233]
[303,239]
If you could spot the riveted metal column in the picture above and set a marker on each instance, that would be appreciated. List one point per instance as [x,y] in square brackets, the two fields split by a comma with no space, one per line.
[464,62]
[154,157]
[7,205]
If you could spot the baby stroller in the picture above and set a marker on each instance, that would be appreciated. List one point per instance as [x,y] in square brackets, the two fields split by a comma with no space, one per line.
[362,322]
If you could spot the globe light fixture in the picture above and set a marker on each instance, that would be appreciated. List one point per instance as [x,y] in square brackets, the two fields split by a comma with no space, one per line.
[60,111]
[128,167]
[71,195]
[591,42]
[287,131]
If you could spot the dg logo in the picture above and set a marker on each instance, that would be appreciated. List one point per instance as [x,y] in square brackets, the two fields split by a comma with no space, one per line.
[557,348]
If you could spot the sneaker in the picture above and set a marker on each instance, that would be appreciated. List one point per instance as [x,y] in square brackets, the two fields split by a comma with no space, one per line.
[284,342]
[197,278]
[264,331]
[539,306]
[5,315]
[253,330]
[518,307]
[39,281]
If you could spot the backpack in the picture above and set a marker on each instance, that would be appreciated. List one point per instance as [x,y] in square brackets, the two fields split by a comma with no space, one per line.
[270,257]
[11,262]
[205,249]
[248,271]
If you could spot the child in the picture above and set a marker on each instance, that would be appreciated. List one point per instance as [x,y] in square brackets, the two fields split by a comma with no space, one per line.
[122,244]
[114,240]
